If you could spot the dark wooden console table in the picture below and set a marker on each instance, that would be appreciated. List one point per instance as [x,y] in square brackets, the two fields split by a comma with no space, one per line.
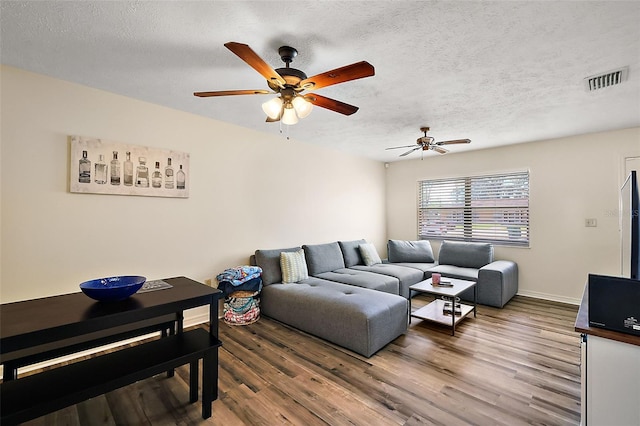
[41,329]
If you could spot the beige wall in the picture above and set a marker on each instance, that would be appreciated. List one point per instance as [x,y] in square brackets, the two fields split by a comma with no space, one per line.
[249,190]
[241,196]
[571,179]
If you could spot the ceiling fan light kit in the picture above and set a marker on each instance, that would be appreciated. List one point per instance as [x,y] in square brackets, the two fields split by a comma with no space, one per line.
[289,83]
[302,106]
[272,108]
[289,116]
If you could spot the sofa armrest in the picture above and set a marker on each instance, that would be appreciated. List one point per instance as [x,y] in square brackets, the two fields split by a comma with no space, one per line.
[498,281]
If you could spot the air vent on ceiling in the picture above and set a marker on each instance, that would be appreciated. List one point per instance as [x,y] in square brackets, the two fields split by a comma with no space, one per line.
[609,78]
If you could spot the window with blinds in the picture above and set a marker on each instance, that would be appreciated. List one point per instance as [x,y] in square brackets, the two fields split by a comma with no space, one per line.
[480,208]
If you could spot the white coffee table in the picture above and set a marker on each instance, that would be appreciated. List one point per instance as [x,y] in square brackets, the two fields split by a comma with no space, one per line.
[434,310]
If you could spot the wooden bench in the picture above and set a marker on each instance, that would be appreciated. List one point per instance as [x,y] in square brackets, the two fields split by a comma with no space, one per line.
[164,325]
[39,394]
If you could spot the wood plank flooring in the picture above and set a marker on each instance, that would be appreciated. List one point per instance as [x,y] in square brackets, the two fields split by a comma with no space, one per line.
[513,366]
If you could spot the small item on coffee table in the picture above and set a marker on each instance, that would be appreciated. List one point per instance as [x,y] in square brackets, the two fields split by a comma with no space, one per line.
[446,310]
[437,281]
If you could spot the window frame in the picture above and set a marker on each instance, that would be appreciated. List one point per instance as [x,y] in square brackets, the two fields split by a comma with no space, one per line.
[493,208]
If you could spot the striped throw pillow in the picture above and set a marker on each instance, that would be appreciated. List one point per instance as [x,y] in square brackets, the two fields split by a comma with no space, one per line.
[294,266]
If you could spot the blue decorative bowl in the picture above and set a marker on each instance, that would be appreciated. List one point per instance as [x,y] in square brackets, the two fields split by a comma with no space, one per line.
[112,289]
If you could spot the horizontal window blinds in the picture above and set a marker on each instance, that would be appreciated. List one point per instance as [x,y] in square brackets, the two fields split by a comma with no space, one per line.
[481,208]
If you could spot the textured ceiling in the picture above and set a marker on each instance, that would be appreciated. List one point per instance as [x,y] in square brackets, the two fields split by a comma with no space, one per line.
[494,72]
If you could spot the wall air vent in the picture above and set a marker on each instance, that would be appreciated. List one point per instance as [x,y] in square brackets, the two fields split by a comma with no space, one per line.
[607,79]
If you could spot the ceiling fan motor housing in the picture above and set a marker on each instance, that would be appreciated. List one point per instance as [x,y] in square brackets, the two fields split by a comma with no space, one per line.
[292,77]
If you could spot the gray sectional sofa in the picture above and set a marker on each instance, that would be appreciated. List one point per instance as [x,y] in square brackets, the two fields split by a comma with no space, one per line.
[361,305]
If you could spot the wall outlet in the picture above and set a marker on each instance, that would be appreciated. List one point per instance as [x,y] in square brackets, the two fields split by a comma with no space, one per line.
[591,223]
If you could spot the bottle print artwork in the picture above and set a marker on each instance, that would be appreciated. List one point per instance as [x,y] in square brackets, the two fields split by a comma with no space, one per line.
[115,169]
[180,178]
[142,173]
[128,170]
[101,171]
[98,166]
[168,175]
[156,177]
[84,169]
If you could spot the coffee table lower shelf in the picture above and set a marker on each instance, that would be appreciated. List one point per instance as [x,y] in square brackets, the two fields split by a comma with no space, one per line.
[434,312]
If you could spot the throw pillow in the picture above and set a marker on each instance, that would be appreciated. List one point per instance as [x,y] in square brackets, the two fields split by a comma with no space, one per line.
[294,266]
[369,254]
[269,261]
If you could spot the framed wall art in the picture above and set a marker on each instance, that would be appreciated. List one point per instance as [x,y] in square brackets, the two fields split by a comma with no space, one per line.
[103,167]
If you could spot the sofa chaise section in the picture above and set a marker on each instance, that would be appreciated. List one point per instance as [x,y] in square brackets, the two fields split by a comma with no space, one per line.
[356,318]
[360,319]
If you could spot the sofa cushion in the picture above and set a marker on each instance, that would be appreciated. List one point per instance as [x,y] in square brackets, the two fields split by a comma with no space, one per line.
[470,274]
[365,279]
[351,252]
[269,261]
[465,255]
[293,266]
[406,276]
[410,251]
[425,268]
[323,257]
[369,254]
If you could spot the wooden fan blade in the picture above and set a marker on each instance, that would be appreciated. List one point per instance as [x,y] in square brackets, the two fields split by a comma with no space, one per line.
[247,54]
[410,151]
[231,92]
[332,104]
[405,146]
[272,120]
[438,149]
[338,75]
[456,141]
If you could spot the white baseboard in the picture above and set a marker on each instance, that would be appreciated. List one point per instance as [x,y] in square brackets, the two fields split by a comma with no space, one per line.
[192,317]
[551,297]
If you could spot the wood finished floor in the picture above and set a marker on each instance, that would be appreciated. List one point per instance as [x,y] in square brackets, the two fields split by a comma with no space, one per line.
[513,366]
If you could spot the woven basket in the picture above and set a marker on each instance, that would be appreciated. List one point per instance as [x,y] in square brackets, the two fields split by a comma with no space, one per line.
[242,308]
